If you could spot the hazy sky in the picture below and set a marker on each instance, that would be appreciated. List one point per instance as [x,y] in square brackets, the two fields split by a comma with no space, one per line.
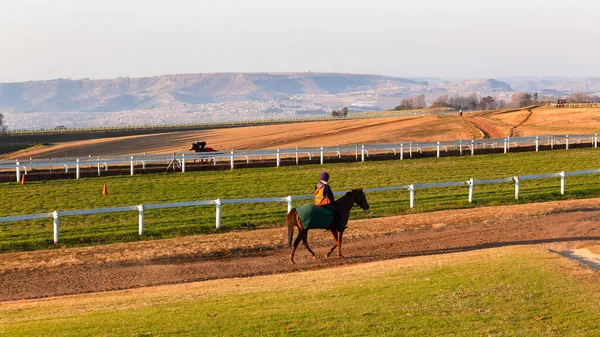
[418,38]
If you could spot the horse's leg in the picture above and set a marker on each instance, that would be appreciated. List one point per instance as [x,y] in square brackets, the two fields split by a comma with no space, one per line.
[305,240]
[340,246]
[296,242]
[335,238]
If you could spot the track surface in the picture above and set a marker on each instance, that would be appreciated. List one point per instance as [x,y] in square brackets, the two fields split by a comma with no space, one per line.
[557,225]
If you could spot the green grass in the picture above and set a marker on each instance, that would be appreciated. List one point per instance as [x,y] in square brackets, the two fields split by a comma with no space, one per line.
[511,291]
[41,197]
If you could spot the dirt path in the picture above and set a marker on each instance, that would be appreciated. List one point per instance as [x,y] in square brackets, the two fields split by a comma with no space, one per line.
[512,130]
[486,127]
[327,133]
[558,225]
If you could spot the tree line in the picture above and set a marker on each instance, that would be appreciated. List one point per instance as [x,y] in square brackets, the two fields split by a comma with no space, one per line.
[3,127]
[474,102]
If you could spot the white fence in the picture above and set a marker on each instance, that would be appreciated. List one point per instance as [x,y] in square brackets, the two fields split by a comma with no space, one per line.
[471,183]
[361,152]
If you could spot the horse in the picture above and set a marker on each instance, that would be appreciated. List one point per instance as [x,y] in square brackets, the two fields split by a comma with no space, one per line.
[343,206]
[200,147]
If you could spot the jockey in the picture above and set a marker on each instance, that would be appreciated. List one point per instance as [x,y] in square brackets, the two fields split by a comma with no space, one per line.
[323,194]
[324,198]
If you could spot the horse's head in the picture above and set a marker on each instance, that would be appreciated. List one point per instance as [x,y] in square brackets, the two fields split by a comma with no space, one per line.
[360,199]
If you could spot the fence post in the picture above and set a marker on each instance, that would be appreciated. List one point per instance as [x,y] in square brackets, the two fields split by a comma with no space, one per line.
[552,143]
[537,144]
[410,150]
[516,180]
[402,151]
[297,161]
[321,155]
[140,219]
[131,165]
[438,149]
[183,163]
[472,147]
[18,168]
[460,146]
[56,221]
[362,153]
[231,159]
[278,158]
[562,183]
[471,186]
[411,189]
[218,215]
[567,142]
[504,145]
[595,140]
[77,169]
[289,203]
[144,161]
[98,166]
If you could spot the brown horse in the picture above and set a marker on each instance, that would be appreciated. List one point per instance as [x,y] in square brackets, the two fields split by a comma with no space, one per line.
[343,206]
[201,147]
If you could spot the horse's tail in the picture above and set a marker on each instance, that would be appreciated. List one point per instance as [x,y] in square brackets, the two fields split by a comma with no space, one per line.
[291,219]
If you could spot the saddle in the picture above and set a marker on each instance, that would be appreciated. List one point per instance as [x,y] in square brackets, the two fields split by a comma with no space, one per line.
[312,216]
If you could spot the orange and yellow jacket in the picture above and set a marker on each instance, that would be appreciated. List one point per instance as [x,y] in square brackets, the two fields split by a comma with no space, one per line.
[323,194]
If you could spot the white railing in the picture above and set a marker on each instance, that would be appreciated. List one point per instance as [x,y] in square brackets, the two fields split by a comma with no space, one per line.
[574,105]
[362,151]
[471,183]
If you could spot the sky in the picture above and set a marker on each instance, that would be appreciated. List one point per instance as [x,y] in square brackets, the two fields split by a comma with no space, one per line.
[450,39]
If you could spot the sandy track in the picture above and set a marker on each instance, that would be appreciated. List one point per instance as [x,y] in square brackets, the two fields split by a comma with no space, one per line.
[330,133]
[486,127]
[557,225]
[496,124]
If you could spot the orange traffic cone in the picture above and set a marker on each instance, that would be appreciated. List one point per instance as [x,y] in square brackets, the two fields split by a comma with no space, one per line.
[104,190]
[23,180]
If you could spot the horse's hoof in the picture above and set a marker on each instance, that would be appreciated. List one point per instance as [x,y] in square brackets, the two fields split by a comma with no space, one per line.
[342,257]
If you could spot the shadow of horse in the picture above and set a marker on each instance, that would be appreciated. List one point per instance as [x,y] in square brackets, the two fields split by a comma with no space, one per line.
[343,206]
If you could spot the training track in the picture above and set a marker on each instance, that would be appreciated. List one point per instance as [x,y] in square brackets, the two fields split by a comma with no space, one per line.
[557,225]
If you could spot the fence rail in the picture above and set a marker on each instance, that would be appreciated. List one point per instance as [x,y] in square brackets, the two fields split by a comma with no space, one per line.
[361,151]
[574,105]
[471,183]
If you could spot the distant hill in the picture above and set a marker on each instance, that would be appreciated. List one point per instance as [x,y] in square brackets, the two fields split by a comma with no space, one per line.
[558,85]
[478,86]
[160,91]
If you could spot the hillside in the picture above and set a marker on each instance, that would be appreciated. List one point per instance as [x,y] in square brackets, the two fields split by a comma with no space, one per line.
[163,91]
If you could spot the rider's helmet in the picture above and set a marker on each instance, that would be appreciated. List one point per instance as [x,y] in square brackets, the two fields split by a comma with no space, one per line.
[324,176]
[196,141]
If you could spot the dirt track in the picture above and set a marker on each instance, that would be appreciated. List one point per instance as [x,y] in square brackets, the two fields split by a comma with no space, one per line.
[557,225]
[490,124]
[330,133]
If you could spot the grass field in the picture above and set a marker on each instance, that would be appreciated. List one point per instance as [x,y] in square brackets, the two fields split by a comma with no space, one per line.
[40,197]
[479,293]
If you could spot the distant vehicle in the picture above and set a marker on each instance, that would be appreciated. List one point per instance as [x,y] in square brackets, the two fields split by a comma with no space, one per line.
[60,127]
